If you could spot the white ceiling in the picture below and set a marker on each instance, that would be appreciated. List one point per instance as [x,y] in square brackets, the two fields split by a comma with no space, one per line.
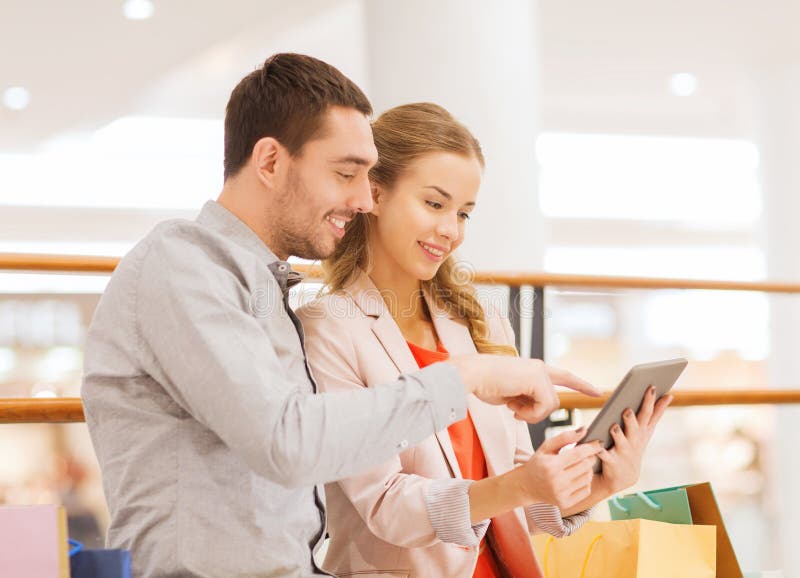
[604,65]
[85,64]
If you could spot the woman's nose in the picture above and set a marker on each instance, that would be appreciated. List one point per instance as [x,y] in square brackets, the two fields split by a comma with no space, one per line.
[448,228]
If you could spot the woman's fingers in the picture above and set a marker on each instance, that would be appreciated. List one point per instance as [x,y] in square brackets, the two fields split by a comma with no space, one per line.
[578,453]
[646,411]
[605,456]
[660,408]
[581,487]
[631,423]
[555,444]
[620,441]
[573,481]
[576,473]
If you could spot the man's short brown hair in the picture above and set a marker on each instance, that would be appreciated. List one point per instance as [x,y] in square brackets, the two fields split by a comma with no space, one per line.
[284,99]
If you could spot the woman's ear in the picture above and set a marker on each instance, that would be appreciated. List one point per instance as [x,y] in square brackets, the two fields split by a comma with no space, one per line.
[377,195]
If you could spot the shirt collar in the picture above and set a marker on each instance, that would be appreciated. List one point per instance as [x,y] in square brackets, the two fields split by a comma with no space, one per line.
[220,219]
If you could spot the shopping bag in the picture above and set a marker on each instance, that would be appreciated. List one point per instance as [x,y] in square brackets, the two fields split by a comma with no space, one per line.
[99,563]
[33,542]
[630,549]
[690,504]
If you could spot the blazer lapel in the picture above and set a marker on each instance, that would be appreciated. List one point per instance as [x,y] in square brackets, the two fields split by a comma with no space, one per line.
[387,331]
[369,300]
[498,449]
[390,336]
[489,424]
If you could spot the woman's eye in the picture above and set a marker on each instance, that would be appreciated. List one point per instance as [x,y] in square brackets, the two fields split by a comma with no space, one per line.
[463,216]
[346,176]
[434,204]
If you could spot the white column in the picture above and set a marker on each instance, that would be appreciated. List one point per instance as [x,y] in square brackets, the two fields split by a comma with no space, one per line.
[777,93]
[478,60]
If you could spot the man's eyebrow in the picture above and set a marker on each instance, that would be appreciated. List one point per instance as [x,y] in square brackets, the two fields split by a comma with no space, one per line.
[352,160]
[447,195]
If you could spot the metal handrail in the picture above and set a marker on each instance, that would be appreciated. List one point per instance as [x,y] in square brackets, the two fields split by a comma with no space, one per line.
[92,264]
[70,409]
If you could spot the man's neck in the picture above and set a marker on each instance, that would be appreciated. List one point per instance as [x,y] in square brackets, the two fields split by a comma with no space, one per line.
[251,213]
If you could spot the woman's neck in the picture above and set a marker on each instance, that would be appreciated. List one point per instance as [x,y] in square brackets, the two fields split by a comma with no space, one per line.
[401,293]
[403,296]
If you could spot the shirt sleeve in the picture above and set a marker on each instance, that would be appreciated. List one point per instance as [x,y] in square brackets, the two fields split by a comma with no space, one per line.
[448,510]
[547,518]
[216,359]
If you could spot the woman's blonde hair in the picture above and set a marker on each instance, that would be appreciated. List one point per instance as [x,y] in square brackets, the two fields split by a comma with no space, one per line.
[402,135]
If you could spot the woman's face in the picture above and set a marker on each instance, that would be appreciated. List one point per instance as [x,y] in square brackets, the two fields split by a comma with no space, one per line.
[421,220]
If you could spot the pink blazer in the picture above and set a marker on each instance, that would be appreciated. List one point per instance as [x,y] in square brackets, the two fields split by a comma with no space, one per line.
[378,521]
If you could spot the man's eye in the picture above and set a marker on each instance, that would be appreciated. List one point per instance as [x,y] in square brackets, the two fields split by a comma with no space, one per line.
[346,176]
[434,204]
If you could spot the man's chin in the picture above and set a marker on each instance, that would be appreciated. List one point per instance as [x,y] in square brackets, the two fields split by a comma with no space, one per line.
[316,253]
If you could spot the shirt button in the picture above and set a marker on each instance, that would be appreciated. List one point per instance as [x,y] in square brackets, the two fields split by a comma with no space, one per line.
[403,444]
[281,267]
[452,415]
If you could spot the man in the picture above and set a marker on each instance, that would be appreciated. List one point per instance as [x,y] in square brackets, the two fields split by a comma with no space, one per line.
[212,440]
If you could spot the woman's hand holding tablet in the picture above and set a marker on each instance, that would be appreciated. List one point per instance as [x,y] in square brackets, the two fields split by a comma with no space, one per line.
[628,419]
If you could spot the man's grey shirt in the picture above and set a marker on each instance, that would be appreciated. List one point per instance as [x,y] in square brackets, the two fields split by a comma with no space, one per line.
[202,409]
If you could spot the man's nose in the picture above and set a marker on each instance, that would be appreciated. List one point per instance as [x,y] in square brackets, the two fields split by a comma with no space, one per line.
[360,199]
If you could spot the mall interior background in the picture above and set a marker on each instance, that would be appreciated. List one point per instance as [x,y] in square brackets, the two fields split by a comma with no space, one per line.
[622,138]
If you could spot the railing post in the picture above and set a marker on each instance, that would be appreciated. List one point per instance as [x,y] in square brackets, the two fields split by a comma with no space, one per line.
[538,431]
[537,324]
[515,315]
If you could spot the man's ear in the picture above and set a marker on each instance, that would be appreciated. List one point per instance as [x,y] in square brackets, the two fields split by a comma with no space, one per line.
[267,157]
[377,196]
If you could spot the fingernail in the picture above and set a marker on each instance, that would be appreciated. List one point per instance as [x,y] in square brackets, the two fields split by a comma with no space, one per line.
[652,389]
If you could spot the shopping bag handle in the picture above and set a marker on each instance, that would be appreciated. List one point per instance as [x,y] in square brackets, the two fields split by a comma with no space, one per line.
[74,548]
[551,539]
[589,554]
[650,502]
[584,567]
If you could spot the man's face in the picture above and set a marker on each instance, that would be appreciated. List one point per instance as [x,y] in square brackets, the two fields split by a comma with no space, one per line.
[325,185]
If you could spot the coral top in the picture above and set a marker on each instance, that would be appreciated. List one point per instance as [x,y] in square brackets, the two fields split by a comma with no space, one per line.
[469,454]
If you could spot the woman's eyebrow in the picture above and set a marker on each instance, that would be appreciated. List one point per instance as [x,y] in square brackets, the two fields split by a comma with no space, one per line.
[446,195]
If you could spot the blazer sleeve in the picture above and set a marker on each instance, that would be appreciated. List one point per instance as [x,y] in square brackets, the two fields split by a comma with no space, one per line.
[405,510]
[541,517]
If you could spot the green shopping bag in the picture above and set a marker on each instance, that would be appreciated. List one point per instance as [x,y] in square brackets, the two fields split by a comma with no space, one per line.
[691,504]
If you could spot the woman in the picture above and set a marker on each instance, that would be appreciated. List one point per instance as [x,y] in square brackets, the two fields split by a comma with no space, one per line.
[395,303]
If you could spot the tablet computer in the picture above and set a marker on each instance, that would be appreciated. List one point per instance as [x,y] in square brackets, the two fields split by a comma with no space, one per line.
[630,394]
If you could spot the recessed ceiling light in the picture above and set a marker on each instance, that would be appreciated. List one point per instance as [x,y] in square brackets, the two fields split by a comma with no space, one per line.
[138,9]
[683,84]
[16,97]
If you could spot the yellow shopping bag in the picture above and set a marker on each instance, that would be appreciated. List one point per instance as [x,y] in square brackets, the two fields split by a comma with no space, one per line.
[630,549]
